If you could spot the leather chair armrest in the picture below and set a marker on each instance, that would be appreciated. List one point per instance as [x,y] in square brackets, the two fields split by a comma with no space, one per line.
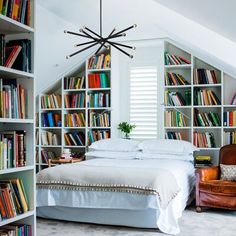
[204,174]
[209,173]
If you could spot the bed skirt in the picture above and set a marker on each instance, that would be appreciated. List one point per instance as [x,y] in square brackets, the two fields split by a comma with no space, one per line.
[121,217]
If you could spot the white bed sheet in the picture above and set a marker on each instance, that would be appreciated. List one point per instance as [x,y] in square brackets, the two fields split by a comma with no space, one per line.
[167,220]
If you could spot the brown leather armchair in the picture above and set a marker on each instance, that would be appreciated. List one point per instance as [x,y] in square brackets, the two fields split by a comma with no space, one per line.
[210,190]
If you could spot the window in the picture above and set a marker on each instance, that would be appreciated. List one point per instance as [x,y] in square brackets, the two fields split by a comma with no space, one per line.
[143,101]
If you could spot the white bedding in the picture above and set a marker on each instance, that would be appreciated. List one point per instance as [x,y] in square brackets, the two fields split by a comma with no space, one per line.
[167,218]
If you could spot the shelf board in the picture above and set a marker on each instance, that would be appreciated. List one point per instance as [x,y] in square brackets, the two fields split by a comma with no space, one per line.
[17,218]
[74,90]
[10,26]
[51,128]
[213,149]
[12,73]
[50,109]
[178,107]
[99,89]
[183,66]
[207,127]
[99,108]
[74,146]
[97,70]
[177,127]
[99,127]
[74,109]
[206,106]
[177,86]
[207,85]
[74,127]
[229,106]
[50,146]
[229,127]
[10,120]
[16,170]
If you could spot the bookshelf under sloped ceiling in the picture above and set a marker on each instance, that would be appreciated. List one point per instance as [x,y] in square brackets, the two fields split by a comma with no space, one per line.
[199,102]
[75,111]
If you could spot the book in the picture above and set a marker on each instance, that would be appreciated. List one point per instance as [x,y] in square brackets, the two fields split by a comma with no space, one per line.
[204,76]
[100,62]
[171,59]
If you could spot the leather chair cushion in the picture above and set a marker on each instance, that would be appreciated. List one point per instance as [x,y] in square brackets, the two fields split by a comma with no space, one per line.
[218,187]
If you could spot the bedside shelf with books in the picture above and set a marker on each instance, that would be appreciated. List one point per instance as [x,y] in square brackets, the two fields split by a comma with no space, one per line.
[17,134]
[85,110]
[206,95]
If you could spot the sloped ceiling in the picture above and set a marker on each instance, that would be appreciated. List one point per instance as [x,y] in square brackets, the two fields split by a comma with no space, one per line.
[216,15]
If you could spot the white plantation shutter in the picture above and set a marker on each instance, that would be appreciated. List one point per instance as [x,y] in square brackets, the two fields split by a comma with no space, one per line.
[143,101]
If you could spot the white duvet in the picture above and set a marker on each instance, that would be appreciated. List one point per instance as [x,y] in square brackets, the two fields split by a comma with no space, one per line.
[167,220]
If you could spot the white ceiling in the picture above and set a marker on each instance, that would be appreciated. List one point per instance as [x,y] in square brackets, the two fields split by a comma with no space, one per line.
[217,15]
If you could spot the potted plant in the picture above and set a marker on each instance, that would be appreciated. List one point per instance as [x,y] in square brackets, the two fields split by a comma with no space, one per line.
[126,128]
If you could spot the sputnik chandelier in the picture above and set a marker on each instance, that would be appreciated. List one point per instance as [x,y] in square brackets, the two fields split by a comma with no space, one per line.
[98,39]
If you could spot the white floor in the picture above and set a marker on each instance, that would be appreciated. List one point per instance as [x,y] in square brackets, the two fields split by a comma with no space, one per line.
[209,223]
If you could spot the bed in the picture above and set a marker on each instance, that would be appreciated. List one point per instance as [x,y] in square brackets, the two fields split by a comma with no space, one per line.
[126,208]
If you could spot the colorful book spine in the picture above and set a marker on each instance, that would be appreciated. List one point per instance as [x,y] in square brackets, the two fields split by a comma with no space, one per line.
[74,120]
[77,82]
[204,76]
[171,59]
[51,101]
[95,135]
[96,100]
[230,137]
[204,140]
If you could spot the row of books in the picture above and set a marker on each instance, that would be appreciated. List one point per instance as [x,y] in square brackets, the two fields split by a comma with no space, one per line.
[203,161]
[95,135]
[50,119]
[19,10]
[99,100]
[13,99]
[175,119]
[205,97]
[12,149]
[51,101]
[204,140]
[74,139]
[176,98]
[37,137]
[204,76]
[229,118]
[175,79]
[99,62]
[77,82]
[16,230]
[74,100]
[16,54]
[99,119]
[75,120]
[98,81]
[13,198]
[46,155]
[173,135]
[171,59]
[49,138]
[206,118]
[230,137]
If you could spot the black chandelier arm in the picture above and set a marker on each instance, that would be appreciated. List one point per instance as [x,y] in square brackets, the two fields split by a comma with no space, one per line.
[122,31]
[73,54]
[115,36]
[77,34]
[96,39]
[121,50]
[122,45]
[81,44]
[91,31]
[104,42]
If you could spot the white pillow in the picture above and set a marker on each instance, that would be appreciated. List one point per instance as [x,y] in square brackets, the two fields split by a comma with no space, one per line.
[183,157]
[112,155]
[115,145]
[167,146]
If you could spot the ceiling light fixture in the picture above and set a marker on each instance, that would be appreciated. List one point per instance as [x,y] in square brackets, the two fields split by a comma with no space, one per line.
[98,39]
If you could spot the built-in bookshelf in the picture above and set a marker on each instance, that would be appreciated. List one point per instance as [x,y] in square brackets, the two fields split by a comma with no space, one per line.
[83,115]
[199,102]
[17,113]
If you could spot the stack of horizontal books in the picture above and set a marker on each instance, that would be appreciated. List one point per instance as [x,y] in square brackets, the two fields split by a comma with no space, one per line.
[203,161]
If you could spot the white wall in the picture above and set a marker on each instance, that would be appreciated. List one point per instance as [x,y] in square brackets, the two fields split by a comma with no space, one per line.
[52,47]
[149,52]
